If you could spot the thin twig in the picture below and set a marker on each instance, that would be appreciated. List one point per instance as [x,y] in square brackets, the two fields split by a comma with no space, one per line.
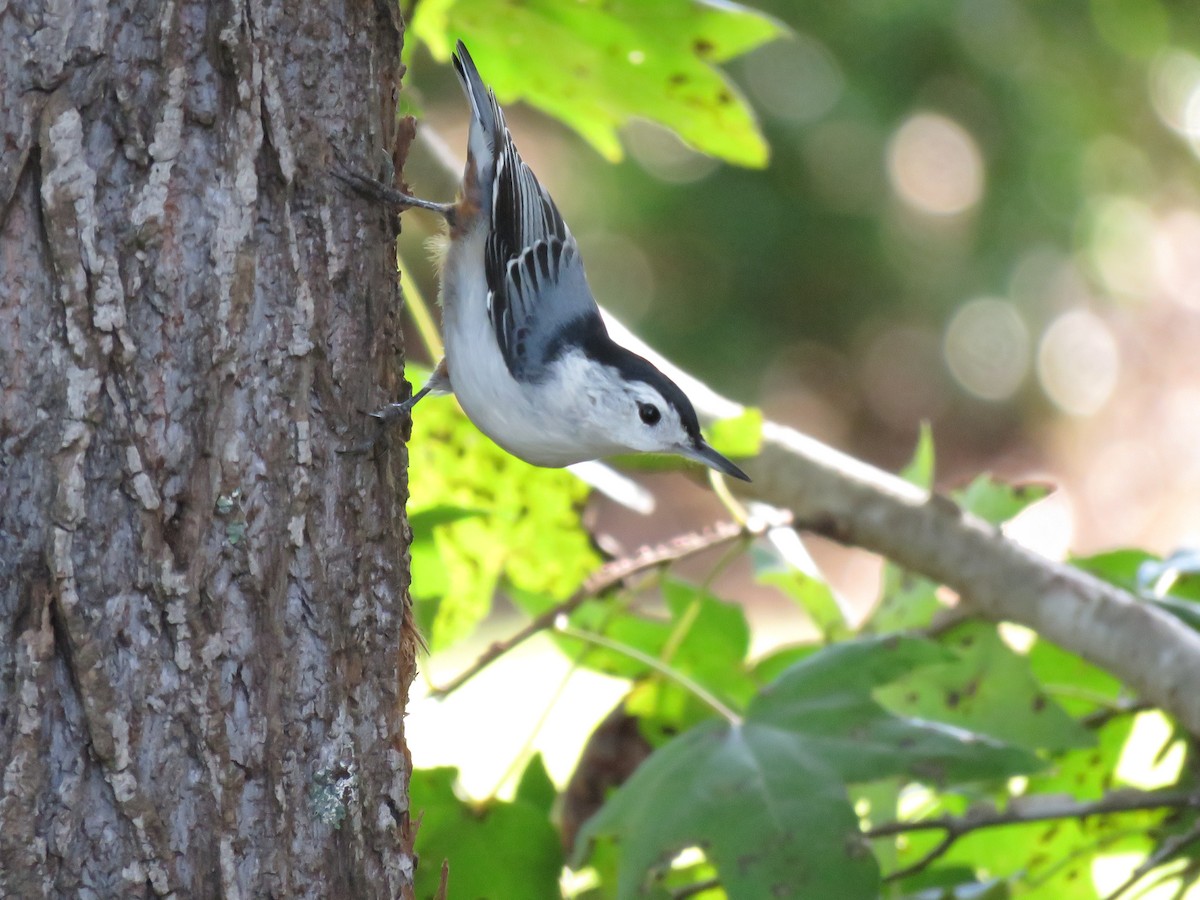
[419,309]
[732,504]
[601,581]
[1102,717]
[1024,812]
[443,882]
[942,847]
[1167,849]
[701,693]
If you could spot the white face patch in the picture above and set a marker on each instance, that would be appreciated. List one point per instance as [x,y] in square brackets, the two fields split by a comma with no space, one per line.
[654,422]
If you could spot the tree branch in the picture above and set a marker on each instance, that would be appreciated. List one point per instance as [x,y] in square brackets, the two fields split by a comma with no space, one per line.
[1025,811]
[837,496]
[829,493]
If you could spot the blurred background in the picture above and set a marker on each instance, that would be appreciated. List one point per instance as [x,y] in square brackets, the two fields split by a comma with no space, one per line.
[981,214]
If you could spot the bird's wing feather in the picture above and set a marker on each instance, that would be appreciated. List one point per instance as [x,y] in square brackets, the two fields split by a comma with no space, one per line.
[537,290]
[543,303]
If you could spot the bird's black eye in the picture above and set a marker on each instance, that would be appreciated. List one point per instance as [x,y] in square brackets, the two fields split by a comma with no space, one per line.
[649,413]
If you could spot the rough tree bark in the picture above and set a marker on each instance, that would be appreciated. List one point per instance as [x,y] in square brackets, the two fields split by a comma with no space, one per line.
[204,641]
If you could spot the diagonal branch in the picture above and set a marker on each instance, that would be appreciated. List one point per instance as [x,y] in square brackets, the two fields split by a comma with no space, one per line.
[600,582]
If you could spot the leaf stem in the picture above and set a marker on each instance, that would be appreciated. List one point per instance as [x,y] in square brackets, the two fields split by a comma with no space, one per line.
[732,504]
[521,757]
[662,668]
[418,308]
[688,619]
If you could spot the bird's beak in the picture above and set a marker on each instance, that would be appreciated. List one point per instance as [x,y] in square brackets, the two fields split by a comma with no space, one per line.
[702,453]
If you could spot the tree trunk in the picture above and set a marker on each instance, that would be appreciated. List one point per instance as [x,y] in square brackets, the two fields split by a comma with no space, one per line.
[205,646]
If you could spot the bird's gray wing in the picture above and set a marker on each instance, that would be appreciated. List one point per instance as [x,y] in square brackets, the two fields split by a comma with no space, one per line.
[538,295]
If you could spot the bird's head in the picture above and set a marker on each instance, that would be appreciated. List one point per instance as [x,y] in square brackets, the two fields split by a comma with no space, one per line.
[653,415]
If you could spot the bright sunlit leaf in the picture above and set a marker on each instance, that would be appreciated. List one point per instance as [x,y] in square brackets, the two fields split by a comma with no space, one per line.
[738,437]
[919,471]
[596,65]
[997,502]
[479,514]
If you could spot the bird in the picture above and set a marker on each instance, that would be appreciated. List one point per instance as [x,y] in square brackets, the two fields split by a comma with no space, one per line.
[527,353]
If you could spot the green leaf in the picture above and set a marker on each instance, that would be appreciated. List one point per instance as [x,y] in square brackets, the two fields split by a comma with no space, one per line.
[708,645]
[1053,860]
[738,437]
[777,662]
[907,602]
[1119,567]
[425,520]
[815,597]
[774,821]
[1050,860]
[536,788]
[919,471]
[996,502]
[1074,683]
[766,798]
[498,849]
[614,61]
[712,635]
[987,688]
[705,638]
[876,802]
[828,699]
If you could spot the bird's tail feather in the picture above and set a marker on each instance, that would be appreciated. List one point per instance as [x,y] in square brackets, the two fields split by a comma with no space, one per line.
[487,122]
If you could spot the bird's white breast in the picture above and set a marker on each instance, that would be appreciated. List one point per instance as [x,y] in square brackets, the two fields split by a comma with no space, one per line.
[539,423]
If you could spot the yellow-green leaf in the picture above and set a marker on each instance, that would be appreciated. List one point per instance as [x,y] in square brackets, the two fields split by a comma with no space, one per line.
[740,436]
[596,65]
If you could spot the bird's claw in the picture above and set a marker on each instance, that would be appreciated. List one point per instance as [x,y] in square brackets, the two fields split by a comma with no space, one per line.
[393,411]
[384,419]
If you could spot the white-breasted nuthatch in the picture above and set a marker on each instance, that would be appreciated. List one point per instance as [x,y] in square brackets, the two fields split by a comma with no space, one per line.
[527,353]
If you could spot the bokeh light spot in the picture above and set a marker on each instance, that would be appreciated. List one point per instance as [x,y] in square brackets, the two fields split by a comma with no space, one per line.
[1174,89]
[1078,362]
[1120,246]
[797,80]
[935,166]
[987,348]
[999,34]
[661,153]
[1177,257]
